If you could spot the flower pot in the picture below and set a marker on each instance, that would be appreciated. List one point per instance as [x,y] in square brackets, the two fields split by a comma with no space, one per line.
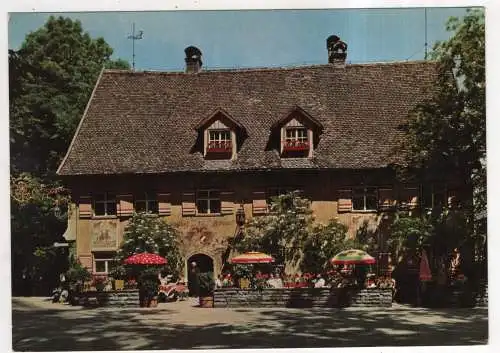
[118,284]
[207,302]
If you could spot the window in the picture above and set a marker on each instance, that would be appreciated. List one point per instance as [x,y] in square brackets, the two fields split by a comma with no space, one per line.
[208,202]
[147,202]
[278,191]
[103,263]
[219,141]
[364,199]
[104,205]
[296,139]
[433,196]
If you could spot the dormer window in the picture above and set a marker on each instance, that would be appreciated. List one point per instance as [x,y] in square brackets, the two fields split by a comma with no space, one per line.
[298,133]
[220,135]
[296,139]
[219,141]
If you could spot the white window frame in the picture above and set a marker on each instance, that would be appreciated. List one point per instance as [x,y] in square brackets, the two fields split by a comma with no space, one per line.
[355,192]
[219,136]
[106,264]
[209,199]
[148,197]
[104,201]
[295,132]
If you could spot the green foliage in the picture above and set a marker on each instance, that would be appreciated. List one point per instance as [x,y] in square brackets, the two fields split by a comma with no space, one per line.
[409,233]
[77,274]
[118,272]
[447,134]
[148,233]
[324,243]
[34,228]
[242,271]
[286,226]
[206,284]
[148,283]
[118,64]
[52,76]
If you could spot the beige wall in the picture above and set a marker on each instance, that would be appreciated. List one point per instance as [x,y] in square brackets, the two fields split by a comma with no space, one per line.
[209,234]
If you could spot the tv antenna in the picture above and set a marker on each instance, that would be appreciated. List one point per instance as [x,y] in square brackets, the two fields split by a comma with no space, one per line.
[134,37]
[425,29]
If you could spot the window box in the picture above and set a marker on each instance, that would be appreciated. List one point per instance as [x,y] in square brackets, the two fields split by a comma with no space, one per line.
[219,146]
[295,145]
[219,141]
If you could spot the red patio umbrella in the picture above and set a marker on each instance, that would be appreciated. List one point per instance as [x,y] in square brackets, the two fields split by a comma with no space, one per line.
[425,270]
[145,259]
[252,257]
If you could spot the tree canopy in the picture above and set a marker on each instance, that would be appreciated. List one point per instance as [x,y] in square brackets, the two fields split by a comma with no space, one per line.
[51,77]
[447,134]
[147,233]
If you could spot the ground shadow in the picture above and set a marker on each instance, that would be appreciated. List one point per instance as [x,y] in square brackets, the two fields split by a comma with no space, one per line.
[117,329]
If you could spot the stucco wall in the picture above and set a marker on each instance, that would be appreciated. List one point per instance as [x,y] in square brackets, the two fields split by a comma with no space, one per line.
[209,234]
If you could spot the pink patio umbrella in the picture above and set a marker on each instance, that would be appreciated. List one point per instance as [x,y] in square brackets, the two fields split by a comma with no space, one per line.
[425,270]
[145,259]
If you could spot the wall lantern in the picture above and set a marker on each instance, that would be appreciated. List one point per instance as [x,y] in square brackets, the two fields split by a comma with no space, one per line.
[240,216]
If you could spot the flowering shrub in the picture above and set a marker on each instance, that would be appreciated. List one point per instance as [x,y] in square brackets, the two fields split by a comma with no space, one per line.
[99,282]
[131,284]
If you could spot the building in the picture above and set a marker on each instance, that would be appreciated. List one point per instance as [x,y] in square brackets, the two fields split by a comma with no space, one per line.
[193,146]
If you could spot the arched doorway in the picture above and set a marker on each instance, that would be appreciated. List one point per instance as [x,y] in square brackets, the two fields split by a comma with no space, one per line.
[204,263]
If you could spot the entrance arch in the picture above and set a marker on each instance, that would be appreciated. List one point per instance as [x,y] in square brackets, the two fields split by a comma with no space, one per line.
[204,263]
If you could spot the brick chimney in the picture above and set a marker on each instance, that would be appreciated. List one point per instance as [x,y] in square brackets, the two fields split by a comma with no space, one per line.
[337,51]
[193,60]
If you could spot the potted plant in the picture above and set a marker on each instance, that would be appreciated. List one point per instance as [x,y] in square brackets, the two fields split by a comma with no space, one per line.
[242,274]
[148,288]
[76,277]
[118,274]
[206,289]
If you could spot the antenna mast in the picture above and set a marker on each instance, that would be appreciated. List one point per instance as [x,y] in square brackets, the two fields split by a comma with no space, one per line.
[134,37]
[425,30]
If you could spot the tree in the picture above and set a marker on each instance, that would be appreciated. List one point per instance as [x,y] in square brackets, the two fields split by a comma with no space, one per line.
[283,231]
[447,134]
[35,226]
[325,242]
[52,76]
[146,233]
[409,234]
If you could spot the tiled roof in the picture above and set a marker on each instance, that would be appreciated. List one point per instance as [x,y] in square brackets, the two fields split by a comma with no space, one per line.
[143,122]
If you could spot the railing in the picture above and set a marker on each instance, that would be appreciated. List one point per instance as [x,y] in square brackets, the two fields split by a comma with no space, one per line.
[220,146]
[295,145]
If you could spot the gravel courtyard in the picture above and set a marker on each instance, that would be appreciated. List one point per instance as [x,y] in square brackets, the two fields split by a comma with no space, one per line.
[40,325]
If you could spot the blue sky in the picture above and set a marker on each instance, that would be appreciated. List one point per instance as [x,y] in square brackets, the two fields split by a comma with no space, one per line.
[256,38]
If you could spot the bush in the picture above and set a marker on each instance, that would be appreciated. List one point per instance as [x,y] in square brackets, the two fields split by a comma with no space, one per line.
[207,284]
[77,275]
[148,283]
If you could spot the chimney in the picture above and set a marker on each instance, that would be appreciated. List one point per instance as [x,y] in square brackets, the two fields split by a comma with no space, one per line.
[337,51]
[193,60]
